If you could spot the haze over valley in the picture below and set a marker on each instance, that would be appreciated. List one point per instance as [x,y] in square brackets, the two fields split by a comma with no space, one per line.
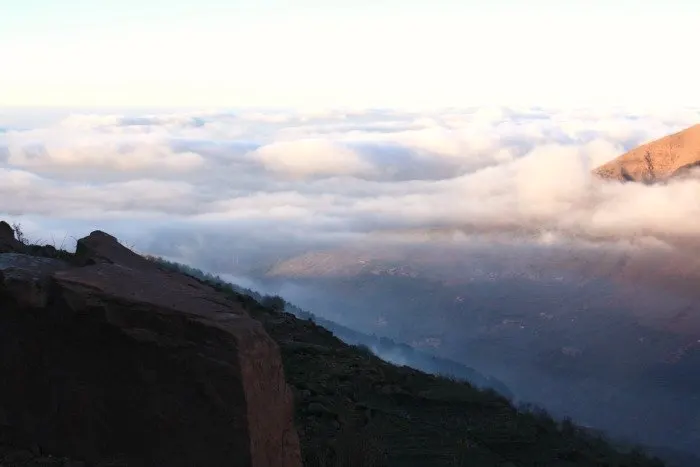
[479,235]
[504,192]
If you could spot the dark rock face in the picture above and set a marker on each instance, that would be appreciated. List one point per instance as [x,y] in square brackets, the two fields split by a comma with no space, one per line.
[121,360]
[8,242]
[26,277]
[100,247]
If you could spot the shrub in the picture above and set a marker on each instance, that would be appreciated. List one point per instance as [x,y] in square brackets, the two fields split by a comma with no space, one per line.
[274,302]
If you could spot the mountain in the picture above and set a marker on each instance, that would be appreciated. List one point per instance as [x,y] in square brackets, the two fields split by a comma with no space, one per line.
[576,330]
[659,160]
[109,355]
[354,409]
[382,346]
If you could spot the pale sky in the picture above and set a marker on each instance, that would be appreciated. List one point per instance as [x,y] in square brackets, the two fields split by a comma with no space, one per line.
[392,53]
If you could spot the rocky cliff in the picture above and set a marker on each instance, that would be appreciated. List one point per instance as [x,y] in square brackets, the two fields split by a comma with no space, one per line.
[107,356]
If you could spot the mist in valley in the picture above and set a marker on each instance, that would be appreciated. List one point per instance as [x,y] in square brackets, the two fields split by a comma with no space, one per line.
[475,235]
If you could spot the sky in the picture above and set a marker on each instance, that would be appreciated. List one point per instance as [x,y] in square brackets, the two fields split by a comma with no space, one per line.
[359,54]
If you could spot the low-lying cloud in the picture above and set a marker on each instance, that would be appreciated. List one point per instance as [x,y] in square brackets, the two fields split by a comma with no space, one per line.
[472,230]
[327,176]
[311,157]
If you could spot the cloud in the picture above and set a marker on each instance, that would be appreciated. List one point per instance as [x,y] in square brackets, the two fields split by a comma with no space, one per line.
[454,197]
[333,174]
[309,157]
[77,148]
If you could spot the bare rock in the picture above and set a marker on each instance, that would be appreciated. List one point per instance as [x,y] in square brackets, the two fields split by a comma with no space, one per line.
[25,278]
[100,247]
[658,160]
[121,360]
[8,242]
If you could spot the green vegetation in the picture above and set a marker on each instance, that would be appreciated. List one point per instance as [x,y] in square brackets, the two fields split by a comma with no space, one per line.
[355,410]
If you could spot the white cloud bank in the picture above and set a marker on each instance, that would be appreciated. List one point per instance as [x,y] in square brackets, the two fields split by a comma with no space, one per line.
[308,157]
[100,146]
[335,173]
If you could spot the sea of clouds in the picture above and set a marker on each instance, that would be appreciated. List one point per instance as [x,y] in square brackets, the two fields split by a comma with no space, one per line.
[173,182]
[245,193]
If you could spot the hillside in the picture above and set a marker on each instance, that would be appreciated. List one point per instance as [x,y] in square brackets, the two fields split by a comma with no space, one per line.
[574,330]
[383,346]
[351,408]
[352,404]
[386,347]
[657,160]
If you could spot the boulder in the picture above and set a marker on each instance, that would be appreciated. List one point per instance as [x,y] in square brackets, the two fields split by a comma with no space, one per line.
[8,242]
[101,247]
[121,360]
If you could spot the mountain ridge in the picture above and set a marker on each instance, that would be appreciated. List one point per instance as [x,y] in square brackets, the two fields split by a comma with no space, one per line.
[379,345]
[656,161]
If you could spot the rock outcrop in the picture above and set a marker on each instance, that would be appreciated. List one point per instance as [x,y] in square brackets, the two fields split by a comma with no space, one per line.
[658,160]
[8,242]
[115,358]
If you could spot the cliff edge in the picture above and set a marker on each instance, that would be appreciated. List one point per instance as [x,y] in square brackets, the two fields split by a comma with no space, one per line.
[109,356]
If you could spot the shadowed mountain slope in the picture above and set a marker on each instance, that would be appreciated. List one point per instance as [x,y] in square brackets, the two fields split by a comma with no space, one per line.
[108,355]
